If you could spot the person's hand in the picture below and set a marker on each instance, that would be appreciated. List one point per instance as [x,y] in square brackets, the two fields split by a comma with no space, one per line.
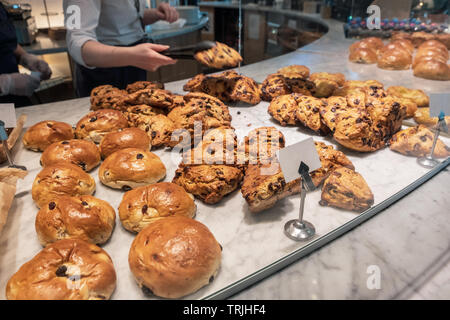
[146,56]
[18,84]
[33,63]
[167,13]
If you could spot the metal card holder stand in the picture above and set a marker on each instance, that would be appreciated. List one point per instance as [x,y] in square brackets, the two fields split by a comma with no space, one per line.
[299,229]
[4,139]
[429,161]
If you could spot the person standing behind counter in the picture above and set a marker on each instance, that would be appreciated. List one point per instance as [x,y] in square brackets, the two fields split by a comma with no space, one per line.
[16,87]
[109,47]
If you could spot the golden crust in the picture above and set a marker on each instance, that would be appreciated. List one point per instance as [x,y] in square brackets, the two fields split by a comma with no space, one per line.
[61,179]
[326,83]
[219,57]
[261,145]
[273,86]
[418,96]
[96,124]
[395,59]
[417,141]
[122,139]
[140,85]
[153,97]
[363,55]
[209,183]
[174,256]
[432,69]
[82,153]
[82,217]
[283,109]
[422,116]
[158,127]
[130,168]
[107,97]
[144,205]
[346,189]
[69,269]
[418,38]
[39,136]
[294,72]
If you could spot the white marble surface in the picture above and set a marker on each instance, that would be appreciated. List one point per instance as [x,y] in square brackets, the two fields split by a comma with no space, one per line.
[404,240]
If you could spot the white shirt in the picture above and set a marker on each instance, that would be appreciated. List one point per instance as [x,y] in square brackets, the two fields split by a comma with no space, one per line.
[112,22]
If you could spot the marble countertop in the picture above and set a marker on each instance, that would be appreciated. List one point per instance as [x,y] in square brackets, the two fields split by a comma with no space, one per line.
[407,244]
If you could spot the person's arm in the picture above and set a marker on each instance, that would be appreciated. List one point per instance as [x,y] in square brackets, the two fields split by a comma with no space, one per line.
[87,51]
[32,62]
[163,12]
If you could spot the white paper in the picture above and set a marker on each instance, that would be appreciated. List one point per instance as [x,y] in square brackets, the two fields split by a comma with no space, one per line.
[8,114]
[439,102]
[291,157]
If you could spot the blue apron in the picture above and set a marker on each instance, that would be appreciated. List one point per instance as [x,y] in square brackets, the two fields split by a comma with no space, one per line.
[8,61]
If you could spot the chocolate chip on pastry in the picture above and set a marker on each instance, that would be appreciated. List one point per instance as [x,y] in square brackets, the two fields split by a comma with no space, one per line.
[261,145]
[69,269]
[283,108]
[153,97]
[122,139]
[158,127]
[326,83]
[273,86]
[144,205]
[39,136]
[294,72]
[244,89]
[107,97]
[96,124]
[417,141]
[130,168]
[174,256]
[82,217]
[84,154]
[422,116]
[58,180]
[302,86]
[219,57]
[346,189]
[140,85]
[195,84]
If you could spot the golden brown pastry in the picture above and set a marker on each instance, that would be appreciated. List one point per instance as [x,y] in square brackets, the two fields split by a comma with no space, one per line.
[398,35]
[81,217]
[84,154]
[273,86]
[122,139]
[130,168]
[418,96]
[294,72]
[144,109]
[395,59]
[418,38]
[283,108]
[432,70]
[375,42]
[107,97]
[244,89]
[209,183]
[153,97]
[444,38]
[195,84]
[219,57]
[140,85]
[434,45]
[417,141]
[308,113]
[39,136]
[326,83]
[96,124]
[261,144]
[61,179]
[346,189]
[144,205]
[303,86]
[158,127]
[422,116]
[174,257]
[69,269]
[363,55]
[400,44]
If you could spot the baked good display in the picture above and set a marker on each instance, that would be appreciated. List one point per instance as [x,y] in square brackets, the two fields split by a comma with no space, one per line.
[395,59]
[294,71]
[82,217]
[261,145]
[130,168]
[417,141]
[96,124]
[69,269]
[432,70]
[144,205]
[61,179]
[107,97]
[444,38]
[417,38]
[326,83]
[174,256]
[201,108]
[226,86]
[419,97]
[83,153]
[219,57]
[141,85]
[122,139]
[346,189]
[42,134]
[422,116]
[273,86]
[8,181]
[151,96]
